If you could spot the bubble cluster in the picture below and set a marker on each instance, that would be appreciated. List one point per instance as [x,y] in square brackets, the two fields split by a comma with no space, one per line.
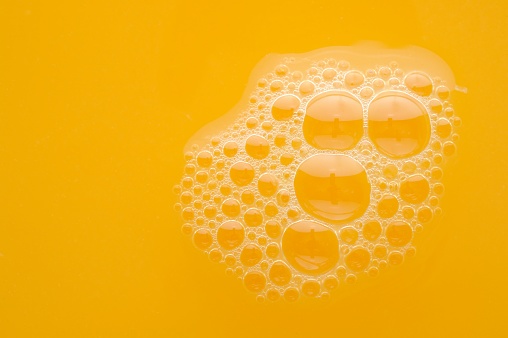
[325,177]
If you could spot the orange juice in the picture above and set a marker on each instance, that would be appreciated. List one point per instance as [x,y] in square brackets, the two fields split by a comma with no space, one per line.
[101,103]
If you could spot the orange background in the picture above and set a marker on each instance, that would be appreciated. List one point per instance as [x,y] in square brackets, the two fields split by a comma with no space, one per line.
[97,100]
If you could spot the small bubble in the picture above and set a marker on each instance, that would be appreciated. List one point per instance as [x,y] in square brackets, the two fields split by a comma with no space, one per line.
[330,283]
[230,207]
[230,235]
[311,288]
[351,279]
[187,229]
[371,230]
[291,294]
[281,70]
[202,239]
[253,217]
[251,255]
[276,85]
[380,251]
[254,281]
[449,148]
[273,229]
[387,206]
[306,87]
[273,295]
[349,235]
[395,258]
[248,197]
[358,259]
[204,159]
[272,250]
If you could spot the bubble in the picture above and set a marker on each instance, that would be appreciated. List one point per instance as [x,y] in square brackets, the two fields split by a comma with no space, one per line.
[436,173]
[215,255]
[439,188]
[187,182]
[442,92]
[408,212]
[330,283]
[273,229]
[378,84]
[414,189]
[230,260]
[286,159]
[186,197]
[390,171]
[385,72]
[443,128]
[395,258]
[283,197]
[280,140]
[225,190]
[358,259]
[276,85]
[341,272]
[399,233]
[366,92]
[354,79]
[253,217]
[230,149]
[257,147]
[329,74]
[271,209]
[434,201]
[201,177]
[254,281]
[291,294]
[230,235]
[204,159]
[409,167]
[333,120]
[248,197]
[241,173]
[449,148]
[251,255]
[371,230]
[306,87]
[210,211]
[273,295]
[311,288]
[188,214]
[349,235]
[334,188]
[373,271]
[280,274]
[310,247]
[230,207]
[284,107]
[351,279]
[281,70]
[398,125]
[424,214]
[187,229]
[388,206]
[380,251]
[435,106]
[293,213]
[267,185]
[272,250]
[296,143]
[419,83]
[202,239]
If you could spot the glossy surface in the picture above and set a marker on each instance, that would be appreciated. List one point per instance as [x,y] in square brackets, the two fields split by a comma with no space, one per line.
[99,98]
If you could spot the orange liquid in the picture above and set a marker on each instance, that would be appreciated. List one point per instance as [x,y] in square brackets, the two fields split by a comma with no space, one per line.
[98,102]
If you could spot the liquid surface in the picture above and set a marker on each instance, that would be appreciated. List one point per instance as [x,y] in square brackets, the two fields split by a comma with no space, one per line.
[329,170]
[97,101]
